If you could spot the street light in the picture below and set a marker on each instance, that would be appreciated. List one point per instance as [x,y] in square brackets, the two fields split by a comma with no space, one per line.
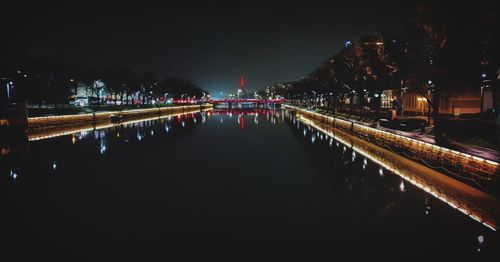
[165,97]
[100,93]
[9,86]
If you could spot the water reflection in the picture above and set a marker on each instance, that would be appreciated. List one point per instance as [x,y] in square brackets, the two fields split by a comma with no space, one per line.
[102,148]
[477,205]
[13,174]
[145,126]
[81,130]
[402,186]
[222,174]
[79,135]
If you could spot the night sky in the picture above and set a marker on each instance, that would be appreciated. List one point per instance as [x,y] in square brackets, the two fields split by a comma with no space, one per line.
[211,43]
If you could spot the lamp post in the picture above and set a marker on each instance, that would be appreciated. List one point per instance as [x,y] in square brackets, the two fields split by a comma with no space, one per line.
[165,97]
[100,95]
[9,86]
[403,92]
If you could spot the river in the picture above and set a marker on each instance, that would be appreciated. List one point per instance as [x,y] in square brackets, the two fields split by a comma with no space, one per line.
[248,179]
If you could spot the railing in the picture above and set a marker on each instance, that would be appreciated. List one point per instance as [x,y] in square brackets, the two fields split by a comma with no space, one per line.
[452,159]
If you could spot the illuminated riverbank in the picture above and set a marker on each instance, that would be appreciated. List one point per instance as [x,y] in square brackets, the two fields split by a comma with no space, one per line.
[71,129]
[477,205]
[49,122]
[475,165]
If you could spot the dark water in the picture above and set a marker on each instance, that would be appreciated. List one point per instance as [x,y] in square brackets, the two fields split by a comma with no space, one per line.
[216,181]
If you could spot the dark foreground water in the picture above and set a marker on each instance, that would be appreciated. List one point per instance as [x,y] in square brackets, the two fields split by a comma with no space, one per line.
[216,181]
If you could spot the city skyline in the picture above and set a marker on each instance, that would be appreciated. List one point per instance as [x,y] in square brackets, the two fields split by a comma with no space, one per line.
[211,44]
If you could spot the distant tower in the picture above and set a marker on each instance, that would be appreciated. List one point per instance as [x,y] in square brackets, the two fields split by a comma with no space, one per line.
[242,82]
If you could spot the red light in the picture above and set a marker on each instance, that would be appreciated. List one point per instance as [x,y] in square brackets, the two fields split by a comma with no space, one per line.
[242,82]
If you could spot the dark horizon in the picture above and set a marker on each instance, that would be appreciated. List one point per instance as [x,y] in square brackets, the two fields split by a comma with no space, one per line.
[212,45]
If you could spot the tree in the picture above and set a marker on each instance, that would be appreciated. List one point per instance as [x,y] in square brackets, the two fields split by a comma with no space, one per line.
[428,39]
[379,69]
[120,82]
[353,74]
[147,82]
[180,87]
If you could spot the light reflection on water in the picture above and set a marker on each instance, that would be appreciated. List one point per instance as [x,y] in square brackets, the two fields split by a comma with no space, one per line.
[484,209]
[359,171]
[484,213]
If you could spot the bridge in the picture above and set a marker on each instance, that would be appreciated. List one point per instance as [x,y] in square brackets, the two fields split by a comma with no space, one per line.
[257,101]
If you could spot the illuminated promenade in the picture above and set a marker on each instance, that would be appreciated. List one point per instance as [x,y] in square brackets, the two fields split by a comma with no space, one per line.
[39,123]
[51,131]
[452,159]
[476,204]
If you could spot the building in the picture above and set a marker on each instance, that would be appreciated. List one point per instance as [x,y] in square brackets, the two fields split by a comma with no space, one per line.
[278,89]
[80,95]
[454,103]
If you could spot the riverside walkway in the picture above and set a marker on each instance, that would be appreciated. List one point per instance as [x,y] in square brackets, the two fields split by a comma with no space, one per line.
[486,153]
[457,163]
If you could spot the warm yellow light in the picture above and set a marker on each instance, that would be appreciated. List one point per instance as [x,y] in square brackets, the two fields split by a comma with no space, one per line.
[456,203]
